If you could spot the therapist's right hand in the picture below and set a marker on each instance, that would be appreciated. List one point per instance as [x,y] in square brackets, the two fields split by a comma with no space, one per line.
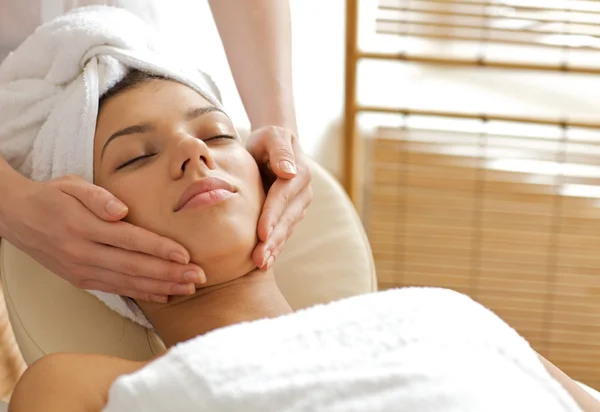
[74,228]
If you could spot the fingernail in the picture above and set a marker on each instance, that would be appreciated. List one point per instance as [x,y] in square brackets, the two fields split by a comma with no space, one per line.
[270,262]
[184,289]
[179,258]
[287,167]
[159,298]
[266,258]
[194,276]
[115,208]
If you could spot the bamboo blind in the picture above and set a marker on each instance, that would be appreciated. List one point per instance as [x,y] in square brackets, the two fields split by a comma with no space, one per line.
[504,208]
[506,213]
[562,37]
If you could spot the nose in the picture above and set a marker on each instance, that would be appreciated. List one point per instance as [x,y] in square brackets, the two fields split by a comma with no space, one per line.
[191,155]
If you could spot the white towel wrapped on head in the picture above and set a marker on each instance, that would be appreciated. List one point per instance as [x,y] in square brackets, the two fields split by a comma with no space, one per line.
[50,87]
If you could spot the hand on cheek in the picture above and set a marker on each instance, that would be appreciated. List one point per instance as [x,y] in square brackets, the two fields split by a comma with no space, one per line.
[280,157]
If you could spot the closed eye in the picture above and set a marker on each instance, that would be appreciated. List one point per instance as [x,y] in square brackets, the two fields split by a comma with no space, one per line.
[221,136]
[134,160]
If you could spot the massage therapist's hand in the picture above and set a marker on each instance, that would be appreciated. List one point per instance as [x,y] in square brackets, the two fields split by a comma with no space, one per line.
[73,228]
[282,163]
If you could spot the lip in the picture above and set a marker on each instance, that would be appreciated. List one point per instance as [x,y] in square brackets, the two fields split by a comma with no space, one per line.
[208,190]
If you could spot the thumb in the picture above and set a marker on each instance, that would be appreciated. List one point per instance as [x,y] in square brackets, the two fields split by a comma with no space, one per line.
[98,200]
[281,157]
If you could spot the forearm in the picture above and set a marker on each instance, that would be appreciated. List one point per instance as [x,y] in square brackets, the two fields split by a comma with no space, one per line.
[9,180]
[256,35]
[585,401]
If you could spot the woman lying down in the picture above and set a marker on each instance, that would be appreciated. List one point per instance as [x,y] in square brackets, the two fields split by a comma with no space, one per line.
[161,142]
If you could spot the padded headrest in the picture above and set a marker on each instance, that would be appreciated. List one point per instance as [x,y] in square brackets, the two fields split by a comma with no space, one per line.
[327,258]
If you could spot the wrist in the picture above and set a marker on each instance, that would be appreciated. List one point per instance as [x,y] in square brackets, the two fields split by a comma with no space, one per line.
[289,126]
[281,115]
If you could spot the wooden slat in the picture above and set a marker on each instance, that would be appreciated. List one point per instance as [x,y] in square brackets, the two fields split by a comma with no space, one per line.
[481,28]
[406,111]
[516,5]
[469,62]
[479,39]
[453,13]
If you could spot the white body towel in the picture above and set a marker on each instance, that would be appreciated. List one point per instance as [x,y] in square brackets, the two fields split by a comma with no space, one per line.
[414,349]
[51,84]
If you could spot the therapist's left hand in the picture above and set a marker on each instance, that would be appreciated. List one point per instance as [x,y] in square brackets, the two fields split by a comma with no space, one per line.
[287,177]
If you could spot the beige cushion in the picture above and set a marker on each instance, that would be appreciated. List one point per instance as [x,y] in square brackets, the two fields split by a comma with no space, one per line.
[327,258]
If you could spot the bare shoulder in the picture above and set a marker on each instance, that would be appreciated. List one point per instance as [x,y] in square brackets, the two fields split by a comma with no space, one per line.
[69,382]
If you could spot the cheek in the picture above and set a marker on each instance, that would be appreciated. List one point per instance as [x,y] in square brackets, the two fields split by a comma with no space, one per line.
[140,196]
[241,165]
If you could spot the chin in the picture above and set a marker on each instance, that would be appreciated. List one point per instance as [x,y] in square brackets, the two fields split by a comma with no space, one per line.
[224,254]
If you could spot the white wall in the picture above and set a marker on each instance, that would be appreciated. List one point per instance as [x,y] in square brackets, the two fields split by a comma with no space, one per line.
[318,65]
[318,30]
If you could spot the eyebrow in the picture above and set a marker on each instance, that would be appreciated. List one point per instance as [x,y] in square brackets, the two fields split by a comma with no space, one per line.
[195,112]
[190,114]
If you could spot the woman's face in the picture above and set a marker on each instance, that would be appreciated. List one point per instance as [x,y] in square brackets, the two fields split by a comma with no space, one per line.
[179,165]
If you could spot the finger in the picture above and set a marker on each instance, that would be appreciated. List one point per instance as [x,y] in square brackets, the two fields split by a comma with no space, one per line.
[293,214]
[126,236]
[134,294]
[264,251]
[259,254]
[272,145]
[269,257]
[124,285]
[281,154]
[100,201]
[139,265]
[281,194]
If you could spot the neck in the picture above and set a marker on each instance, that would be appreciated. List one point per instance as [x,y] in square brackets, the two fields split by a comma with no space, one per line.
[251,297]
